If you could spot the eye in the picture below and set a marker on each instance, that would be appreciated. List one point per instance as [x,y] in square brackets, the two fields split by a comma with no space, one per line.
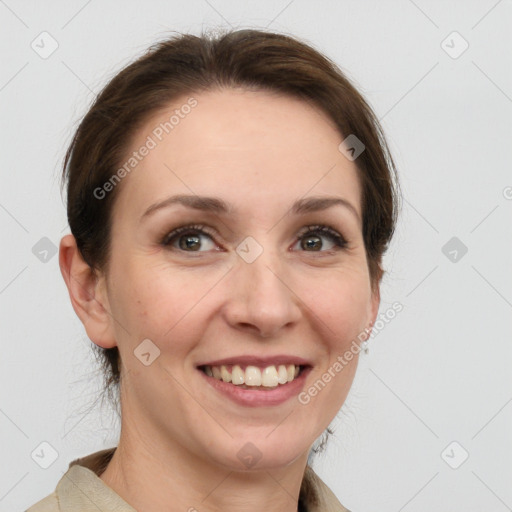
[188,238]
[312,238]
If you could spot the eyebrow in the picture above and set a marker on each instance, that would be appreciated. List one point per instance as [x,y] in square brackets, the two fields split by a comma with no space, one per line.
[219,206]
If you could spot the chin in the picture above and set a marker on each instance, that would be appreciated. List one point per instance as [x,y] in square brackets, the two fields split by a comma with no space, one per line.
[260,452]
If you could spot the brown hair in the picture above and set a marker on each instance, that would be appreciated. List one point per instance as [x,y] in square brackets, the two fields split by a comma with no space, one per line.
[186,64]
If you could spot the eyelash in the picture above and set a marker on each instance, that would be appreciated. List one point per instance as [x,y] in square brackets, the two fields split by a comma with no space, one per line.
[322,229]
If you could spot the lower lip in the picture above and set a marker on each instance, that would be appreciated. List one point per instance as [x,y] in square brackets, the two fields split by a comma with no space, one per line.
[259,398]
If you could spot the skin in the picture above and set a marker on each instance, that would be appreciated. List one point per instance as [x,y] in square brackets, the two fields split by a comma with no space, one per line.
[179,439]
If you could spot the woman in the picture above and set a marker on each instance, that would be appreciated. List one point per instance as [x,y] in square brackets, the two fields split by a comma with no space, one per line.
[230,199]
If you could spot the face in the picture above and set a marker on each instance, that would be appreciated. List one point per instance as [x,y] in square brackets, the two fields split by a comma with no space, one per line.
[252,279]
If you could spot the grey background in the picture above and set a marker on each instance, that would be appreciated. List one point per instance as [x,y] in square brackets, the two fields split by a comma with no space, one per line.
[438,373]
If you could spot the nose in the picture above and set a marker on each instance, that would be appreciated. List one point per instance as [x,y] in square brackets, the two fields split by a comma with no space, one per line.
[261,300]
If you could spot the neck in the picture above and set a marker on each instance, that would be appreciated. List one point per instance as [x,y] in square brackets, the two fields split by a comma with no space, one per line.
[153,476]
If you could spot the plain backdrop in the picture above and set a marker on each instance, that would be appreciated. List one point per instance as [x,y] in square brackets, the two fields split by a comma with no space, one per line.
[427,424]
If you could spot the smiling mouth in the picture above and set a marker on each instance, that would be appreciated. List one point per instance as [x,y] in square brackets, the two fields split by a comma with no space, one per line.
[254,377]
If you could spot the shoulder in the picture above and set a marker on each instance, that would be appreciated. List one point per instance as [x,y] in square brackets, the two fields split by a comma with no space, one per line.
[317,495]
[48,504]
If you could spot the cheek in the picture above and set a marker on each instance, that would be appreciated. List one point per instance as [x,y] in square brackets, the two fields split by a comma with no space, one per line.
[338,299]
[160,302]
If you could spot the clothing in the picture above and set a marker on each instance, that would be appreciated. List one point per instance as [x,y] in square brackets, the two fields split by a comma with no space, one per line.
[81,490]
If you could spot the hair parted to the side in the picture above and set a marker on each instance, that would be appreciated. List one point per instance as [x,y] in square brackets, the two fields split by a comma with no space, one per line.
[186,64]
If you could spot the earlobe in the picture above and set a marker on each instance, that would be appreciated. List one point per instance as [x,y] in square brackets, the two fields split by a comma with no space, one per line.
[87,294]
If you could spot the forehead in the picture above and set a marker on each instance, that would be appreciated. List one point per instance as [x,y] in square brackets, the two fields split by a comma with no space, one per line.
[249,147]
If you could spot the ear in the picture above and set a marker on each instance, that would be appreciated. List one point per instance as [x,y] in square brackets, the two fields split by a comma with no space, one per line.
[375,300]
[88,294]
[375,303]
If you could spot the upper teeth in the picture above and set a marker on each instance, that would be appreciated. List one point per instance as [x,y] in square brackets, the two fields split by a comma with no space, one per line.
[254,376]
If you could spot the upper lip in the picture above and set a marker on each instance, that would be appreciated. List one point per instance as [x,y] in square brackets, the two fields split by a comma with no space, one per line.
[258,361]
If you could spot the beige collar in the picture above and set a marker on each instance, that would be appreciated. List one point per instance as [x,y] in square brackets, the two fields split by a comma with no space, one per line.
[80,488]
